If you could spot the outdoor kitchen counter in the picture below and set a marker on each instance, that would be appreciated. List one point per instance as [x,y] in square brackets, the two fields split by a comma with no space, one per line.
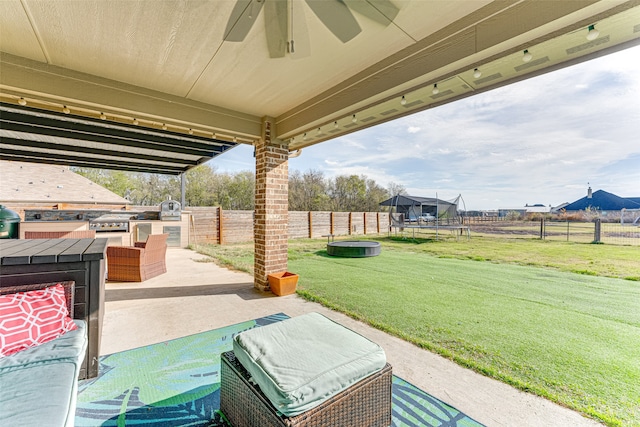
[44,225]
[25,261]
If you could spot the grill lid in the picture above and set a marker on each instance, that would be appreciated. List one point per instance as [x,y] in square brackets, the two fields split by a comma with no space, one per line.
[122,217]
[8,215]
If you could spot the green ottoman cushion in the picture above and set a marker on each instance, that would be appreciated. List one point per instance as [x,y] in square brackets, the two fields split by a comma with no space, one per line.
[301,362]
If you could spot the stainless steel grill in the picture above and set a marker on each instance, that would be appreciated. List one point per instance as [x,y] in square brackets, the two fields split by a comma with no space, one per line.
[111,222]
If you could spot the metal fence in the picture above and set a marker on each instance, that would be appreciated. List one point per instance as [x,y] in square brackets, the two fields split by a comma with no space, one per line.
[620,234]
[568,231]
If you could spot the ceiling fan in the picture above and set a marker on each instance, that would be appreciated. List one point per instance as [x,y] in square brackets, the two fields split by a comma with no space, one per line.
[278,18]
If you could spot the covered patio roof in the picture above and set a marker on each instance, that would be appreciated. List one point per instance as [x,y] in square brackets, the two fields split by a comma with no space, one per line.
[42,136]
[163,86]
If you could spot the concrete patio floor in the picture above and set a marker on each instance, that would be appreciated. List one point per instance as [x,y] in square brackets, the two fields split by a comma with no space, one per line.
[197,296]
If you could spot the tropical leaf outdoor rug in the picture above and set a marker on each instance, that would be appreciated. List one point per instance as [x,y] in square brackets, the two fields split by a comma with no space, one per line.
[177,383]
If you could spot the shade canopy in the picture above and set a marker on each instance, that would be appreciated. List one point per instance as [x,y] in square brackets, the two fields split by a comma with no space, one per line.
[42,136]
[163,86]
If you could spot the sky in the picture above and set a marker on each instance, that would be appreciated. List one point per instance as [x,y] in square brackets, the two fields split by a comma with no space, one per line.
[544,140]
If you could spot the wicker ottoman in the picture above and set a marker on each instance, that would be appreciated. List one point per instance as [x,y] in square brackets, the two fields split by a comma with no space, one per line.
[365,404]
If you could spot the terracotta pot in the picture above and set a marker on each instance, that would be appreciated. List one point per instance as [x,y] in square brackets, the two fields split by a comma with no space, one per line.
[283,283]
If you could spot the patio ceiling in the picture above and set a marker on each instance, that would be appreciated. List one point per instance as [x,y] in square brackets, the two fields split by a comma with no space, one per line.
[170,72]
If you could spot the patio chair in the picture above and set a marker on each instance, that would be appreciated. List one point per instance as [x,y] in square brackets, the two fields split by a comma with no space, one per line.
[138,263]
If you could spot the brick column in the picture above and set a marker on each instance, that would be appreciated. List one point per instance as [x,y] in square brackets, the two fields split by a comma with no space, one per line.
[271,206]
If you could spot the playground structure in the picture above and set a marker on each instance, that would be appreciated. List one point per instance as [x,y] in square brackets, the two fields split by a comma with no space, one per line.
[415,213]
[630,216]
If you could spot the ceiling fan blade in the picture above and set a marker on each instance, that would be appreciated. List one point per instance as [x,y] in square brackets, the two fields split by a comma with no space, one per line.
[276,17]
[337,17]
[380,11]
[242,17]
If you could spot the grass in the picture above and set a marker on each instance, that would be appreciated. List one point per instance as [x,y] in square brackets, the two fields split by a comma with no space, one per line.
[583,232]
[598,260]
[521,315]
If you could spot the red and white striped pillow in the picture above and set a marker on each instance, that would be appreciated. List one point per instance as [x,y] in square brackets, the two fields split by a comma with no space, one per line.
[28,319]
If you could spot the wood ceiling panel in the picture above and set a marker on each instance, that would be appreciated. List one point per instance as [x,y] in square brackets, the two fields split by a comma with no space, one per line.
[434,16]
[17,36]
[524,17]
[158,45]
[252,76]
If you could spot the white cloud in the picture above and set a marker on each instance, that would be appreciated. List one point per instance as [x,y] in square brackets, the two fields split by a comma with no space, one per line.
[537,141]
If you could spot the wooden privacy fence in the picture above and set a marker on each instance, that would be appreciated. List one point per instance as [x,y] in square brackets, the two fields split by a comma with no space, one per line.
[215,225]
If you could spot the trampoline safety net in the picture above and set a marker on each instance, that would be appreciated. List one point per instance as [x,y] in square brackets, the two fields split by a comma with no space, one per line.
[405,210]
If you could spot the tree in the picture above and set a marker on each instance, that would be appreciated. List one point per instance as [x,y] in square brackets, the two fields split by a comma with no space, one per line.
[233,191]
[121,183]
[154,188]
[308,191]
[200,181]
[348,193]
[242,187]
[394,189]
[375,195]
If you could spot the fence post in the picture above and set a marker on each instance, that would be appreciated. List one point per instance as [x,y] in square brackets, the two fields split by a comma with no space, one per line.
[542,233]
[364,220]
[331,227]
[350,222]
[220,226]
[310,225]
[596,232]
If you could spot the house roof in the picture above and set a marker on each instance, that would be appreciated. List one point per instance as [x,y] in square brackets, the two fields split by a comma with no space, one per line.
[604,201]
[22,182]
[402,200]
[634,199]
[559,207]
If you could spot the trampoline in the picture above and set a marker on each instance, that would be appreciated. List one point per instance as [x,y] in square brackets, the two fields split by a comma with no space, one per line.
[354,248]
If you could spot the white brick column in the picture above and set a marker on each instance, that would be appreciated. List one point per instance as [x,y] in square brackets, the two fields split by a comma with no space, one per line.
[271,206]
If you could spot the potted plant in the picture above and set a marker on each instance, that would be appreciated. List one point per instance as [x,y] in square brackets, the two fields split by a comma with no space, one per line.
[283,283]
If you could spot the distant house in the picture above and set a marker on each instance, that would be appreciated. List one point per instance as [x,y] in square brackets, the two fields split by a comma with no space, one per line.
[559,208]
[527,209]
[603,201]
[36,185]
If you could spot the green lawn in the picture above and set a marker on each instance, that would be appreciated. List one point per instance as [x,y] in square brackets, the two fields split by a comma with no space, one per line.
[573,338]
[597,260]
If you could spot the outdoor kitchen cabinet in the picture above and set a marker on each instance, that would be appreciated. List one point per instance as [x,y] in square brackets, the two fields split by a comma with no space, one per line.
[26,261]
